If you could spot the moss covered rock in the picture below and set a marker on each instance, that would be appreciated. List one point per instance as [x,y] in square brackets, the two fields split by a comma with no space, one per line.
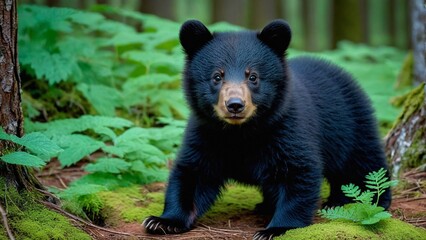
[385,230]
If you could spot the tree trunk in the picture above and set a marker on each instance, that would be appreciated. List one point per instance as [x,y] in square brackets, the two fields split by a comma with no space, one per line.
[418,20]
[11,118]
[406,142]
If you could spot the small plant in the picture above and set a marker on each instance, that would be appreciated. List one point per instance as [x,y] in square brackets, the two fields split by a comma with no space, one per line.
[363,210]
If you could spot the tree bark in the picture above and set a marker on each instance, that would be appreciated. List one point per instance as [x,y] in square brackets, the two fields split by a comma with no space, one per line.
[11,117]
[418,20]
[406,142]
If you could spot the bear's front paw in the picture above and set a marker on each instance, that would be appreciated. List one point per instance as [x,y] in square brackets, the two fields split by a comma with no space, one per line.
[269,233]
[157,225]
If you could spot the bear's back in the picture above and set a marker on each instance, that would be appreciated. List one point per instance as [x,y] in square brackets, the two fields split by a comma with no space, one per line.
[345,112]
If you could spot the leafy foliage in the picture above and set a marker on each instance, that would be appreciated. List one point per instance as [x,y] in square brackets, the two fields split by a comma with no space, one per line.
[102,66]
[363,210]
[40,149]
[126,154]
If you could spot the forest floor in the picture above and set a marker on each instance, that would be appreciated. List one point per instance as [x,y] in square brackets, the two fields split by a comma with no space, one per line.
[409,205]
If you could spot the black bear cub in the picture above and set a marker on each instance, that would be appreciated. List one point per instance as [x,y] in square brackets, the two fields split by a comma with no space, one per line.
[260,119]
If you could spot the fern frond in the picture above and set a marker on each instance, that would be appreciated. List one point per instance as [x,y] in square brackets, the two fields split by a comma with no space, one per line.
[337,213]
[365,197]
[351,190]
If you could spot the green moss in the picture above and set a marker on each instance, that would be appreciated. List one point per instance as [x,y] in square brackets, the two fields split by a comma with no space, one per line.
[133,204]
[405,76]
[415,155]
[413,102]
[30,220]
[387,229]
[236,199]
[129,204]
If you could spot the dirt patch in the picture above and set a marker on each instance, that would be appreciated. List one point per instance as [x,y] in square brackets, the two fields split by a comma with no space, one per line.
[409,205]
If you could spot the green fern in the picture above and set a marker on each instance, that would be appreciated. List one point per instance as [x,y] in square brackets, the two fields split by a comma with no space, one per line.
[363,210]
[378,182]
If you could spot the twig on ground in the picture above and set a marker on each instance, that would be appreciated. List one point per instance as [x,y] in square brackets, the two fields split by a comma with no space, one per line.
[57,208]
[5,223]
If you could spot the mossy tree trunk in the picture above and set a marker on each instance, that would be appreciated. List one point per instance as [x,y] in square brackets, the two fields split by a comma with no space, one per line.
[406,142]
[11,118]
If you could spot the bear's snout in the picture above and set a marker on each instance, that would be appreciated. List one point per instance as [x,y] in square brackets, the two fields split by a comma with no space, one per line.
[235,105]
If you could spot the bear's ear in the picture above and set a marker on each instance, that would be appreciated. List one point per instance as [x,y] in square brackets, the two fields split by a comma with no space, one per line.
[276,35]
[193,36]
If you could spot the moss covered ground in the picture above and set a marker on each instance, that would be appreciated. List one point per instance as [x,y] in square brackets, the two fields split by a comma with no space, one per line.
[28,219]
[133,204]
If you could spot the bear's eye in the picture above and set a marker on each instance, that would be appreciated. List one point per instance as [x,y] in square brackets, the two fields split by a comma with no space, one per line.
[217,78]
[253,78]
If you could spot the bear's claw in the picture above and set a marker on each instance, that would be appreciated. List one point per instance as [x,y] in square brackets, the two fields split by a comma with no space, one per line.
[157,225]
[269,233]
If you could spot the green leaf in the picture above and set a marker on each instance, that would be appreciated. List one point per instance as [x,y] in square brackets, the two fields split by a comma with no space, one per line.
[76,147]
[103,98]
[73,125]
[75,191]
[23,158]
[376,218]
[39,144]
[115,151]
[108,165]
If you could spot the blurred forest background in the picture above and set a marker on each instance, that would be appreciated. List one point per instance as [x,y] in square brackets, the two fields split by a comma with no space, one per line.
[317,24]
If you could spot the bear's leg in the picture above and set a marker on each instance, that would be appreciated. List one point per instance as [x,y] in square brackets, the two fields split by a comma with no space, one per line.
[188,196]
[267,206]
[336,198]
[295,204]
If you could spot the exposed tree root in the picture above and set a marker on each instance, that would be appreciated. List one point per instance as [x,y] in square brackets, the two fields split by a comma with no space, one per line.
[5,223]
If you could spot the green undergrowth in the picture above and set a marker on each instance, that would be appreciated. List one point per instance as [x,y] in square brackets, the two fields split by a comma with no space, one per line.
[31,220]
[385,230]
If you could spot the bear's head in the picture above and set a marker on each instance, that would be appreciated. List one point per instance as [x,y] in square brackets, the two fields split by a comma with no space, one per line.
[235,77]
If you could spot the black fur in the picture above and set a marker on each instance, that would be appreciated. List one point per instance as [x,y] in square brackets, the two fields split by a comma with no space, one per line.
[312,120]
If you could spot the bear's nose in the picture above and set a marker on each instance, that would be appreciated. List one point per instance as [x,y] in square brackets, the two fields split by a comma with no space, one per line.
[235,105]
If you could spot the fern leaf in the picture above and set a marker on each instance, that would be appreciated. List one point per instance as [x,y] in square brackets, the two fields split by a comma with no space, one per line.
[23,158]
[76,147]
[36,142]
[336,213]
[77,190]
[351,190]
[103,98]
[39,144]
[73,125]
[365,197]
[108,165]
